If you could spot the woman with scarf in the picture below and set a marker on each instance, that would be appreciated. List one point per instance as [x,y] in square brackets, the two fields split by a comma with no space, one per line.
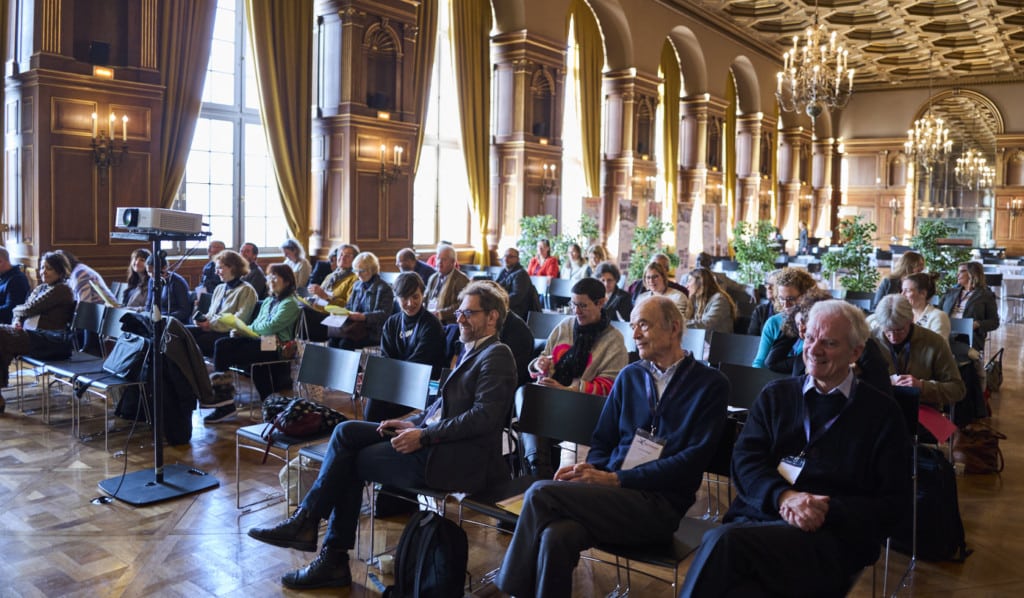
[369,306]
[583,354]
[233,296]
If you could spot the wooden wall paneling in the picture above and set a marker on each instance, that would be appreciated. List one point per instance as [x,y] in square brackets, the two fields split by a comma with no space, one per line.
[338,218]
[367,207]
[74,207]
[399,212]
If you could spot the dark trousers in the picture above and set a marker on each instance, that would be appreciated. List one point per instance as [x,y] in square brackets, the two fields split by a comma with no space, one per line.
[766,559]
[357,453]
[206,339]
[560,519]
[243,352]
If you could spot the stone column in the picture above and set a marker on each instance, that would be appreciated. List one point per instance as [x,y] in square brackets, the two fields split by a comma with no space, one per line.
[748,157]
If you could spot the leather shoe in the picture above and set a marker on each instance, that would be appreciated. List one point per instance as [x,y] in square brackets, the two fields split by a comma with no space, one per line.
[328,570]
[299,531]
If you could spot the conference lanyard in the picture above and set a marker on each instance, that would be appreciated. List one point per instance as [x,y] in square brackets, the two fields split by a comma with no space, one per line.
[654,402]
[820,432]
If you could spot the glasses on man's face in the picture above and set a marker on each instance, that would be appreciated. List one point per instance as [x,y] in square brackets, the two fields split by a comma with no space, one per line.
[466,313]
[789,301]
[581,306]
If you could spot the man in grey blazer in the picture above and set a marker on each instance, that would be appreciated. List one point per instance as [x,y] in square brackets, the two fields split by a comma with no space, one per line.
[444,286]
[455,446]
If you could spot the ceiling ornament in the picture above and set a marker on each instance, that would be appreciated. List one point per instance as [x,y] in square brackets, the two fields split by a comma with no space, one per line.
[928,143]
[816,76]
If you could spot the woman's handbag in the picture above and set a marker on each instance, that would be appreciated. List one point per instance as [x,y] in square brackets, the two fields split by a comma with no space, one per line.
[297,418]
[994,372]
[976,446]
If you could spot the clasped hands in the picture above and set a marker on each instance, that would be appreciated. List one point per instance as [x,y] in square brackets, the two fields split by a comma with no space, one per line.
[405,435]
[905,380]
[803,510]
[587,474]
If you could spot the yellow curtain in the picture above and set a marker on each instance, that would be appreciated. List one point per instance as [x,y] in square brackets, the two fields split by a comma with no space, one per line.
[186,34]
[671,84]
[4,6]
[423,62]
[589,49]
[281,37]
[471,26]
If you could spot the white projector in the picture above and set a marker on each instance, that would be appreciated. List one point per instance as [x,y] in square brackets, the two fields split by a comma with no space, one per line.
[158,219]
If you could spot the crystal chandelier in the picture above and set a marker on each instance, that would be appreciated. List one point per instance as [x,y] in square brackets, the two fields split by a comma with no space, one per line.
[928,142]
[815,76]
[972,170]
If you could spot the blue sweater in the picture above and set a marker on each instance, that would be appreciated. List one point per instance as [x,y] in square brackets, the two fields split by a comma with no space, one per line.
[693,413]
[13,292]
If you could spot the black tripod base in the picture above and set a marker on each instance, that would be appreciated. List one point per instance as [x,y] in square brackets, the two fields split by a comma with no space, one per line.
[141,487]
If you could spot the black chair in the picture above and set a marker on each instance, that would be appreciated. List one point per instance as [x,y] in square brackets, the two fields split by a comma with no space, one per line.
[693,341]
[389,277]
[204,302]
[747,383]
[541,325]
[909,401]
[859,295]
[863,304]
[494,272]
[961,330]
[559,293]
[627,335]
[733,348]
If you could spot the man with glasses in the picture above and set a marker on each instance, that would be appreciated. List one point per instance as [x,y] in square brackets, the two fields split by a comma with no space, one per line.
[585,354]
[455,445]
[522,295]
[444,286]
[659,429]
[338,285]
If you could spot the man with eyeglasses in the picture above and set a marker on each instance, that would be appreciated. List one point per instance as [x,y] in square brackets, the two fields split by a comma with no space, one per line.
[455,445]
[522,295]
[585,354]
[338,285]
[444,286]
[659,429]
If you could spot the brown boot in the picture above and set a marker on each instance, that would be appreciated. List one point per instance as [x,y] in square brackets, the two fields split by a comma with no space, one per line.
[328,570]
[299,531]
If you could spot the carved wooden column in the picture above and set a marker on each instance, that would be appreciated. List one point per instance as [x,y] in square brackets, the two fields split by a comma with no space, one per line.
[748,158]
[365,125]
[789,181]
[528,90]
[693,172]
[820,221]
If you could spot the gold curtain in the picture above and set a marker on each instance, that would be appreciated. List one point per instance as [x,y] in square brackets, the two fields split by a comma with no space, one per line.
[589,49]
[6,215]
[186,34]
[281,37]
[671,84]
[423,66]
[471,47]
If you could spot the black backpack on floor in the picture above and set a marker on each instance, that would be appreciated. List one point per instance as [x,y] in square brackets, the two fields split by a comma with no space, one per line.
[940,531]
[430,560]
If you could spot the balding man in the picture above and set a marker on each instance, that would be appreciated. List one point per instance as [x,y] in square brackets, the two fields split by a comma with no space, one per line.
[407,261]
[822,475]
[444,286]
[621,495]
[209,278]
[522,295]
[14,287]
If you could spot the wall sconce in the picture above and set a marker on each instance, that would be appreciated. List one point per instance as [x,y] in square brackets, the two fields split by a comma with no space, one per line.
[1014,206]
[389,174]
[896,207]
[549,182]
[650,183]
[104,151]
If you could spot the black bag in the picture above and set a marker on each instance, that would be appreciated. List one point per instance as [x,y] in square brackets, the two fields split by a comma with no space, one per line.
[298,418]
[940,531]
[430,560]
[127,356]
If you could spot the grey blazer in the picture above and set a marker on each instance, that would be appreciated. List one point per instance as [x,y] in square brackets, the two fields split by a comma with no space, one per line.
[465,446]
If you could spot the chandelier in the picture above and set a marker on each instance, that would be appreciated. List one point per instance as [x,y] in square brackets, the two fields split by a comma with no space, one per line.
[815,76]
[972,170]
[928,142]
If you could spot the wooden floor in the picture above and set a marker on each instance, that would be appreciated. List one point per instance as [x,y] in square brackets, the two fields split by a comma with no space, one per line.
[55,541]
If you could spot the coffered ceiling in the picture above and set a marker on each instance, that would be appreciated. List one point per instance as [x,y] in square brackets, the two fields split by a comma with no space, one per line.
[899,42]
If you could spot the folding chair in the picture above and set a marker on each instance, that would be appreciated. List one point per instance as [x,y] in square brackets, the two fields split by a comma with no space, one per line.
[559,293]
[541,325]
[733,348]
[693,341]
[627,335]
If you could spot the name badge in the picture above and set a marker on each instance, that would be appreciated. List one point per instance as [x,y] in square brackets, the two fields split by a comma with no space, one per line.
[644,449]
[268,343]
[790,468]
[432,305]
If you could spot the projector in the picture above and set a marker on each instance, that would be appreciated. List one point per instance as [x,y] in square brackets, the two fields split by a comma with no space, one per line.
[158,219]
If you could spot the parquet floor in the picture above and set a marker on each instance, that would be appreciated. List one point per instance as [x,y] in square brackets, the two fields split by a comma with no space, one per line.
[54,541]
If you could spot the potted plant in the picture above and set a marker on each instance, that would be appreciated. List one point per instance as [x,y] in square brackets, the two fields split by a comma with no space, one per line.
[533,229]
[941,259]
[647,242]
[755,251]
[853,257]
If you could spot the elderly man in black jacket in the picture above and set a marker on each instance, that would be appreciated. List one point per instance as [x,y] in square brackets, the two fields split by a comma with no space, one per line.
[522,295]
[455,445]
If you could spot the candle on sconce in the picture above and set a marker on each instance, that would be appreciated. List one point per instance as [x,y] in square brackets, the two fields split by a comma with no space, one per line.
[94,125]
[110,126]
[124,128]
[552,172]
[398,155]
[383,149]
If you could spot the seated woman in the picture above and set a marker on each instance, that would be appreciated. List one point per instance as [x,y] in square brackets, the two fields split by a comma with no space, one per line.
[86,283]
[275,324]
[174,292]
[137,286]
[414,334]
[596,254]
[712,308]
[543,264]
[909,263]
[295,258]
[369,305]
[919,289]
[584,354]
[618,304]
[40,325]
[656,282]
[971,298]
[233,296]
[790,285]
[575,267]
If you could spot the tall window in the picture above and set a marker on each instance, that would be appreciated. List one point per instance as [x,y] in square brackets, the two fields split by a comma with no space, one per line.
[574,181]
[441,210]
[229,177]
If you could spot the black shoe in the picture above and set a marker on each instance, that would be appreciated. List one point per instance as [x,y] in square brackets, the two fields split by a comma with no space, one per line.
[220,414]
[328,570]
[299,531]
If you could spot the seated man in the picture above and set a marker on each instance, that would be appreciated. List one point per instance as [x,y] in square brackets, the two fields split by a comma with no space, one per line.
[256,278]
[324,267]
[522,295]
[338,285]
[455,445]
[445,285]
[14,287]
[622,495]
[208,279]
[822,473]
[916,356]
[406,261]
